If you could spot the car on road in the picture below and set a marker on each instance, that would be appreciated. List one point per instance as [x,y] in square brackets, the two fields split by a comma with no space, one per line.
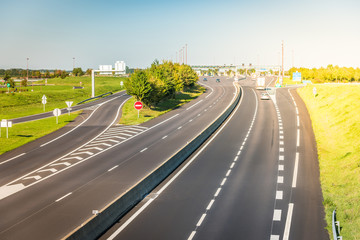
[264,96]
[205,79]
[217,80]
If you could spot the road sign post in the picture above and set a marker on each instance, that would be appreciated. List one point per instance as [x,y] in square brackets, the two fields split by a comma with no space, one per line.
[121,84]
[314,91]
[6,124]
[69,103]
[44,101]
[138,106]
[57,113]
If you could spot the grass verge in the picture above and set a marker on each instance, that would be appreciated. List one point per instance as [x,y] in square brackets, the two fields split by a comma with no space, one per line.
[130,114]
[335,115]
[22,133]
[24,103]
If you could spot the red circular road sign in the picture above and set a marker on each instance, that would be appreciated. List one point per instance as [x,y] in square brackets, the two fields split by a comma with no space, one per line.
[138,105]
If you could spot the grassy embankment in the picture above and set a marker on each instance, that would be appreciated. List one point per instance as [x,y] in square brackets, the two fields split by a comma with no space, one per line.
[335,115]
[27,103]
[57,91]
[130,115]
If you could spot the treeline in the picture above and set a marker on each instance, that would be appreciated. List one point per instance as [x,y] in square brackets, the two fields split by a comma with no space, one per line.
[160,81]
[23,73]
[329,74]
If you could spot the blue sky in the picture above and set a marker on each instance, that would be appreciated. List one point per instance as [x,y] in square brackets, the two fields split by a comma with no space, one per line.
[316,33]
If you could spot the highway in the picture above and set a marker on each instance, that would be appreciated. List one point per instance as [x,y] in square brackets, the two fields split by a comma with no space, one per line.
[50,187]
[257,177]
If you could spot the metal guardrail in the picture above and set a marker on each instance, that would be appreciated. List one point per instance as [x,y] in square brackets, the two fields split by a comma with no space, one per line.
[335,227]
[108,93]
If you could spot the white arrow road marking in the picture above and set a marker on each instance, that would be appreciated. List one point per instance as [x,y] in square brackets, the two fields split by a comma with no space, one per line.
[96,144]
[102,138]
[69,158]
[37,177]
[78,153]
[125,134]
[96,148]
[105,140]
[63,163]
[50,169]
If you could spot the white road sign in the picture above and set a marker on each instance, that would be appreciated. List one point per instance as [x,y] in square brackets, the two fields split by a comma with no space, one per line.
[57,112]
[314,91]
[5,124]
[69,103]
[43,97]
[44,101]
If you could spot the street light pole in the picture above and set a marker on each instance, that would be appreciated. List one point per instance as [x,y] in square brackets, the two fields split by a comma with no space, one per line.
[73,63]
[282,62]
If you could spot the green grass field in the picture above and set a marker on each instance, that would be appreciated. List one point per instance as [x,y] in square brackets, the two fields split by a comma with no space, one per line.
[130,114]
[57,91]
[335,115]
[22,133]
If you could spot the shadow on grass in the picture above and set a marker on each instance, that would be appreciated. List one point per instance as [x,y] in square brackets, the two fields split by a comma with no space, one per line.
[24,135]
[180,98]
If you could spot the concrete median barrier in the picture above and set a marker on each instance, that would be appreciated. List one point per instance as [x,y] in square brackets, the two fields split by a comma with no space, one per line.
[94,227]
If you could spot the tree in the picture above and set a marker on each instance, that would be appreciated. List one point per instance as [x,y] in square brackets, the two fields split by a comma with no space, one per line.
[24,82]
[64,74]
[78,72]
[139,86]
[7,76]
[88,71]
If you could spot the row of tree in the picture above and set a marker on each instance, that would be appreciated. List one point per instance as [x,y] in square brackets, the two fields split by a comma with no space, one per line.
[160,81]
[21,73]
[329,74]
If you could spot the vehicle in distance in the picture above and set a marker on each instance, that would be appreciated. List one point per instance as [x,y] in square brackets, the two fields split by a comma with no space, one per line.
[264,96]
[217,80]
[260,84]
[205,79]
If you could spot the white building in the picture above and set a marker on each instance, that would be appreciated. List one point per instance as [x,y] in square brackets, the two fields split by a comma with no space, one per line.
[120,66]
[105,68]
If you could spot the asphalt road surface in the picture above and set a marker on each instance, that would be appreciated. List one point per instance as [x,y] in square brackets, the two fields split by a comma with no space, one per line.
[51,186]
[256,178]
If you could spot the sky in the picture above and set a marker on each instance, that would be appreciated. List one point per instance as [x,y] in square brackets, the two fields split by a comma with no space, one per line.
[51,33]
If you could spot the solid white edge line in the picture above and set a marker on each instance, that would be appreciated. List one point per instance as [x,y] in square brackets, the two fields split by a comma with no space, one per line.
[130,219]
[288,221]
[80,123]
[181,170]
[143,150]
[22,154]
[296,166]
[66,195]
[71,165]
